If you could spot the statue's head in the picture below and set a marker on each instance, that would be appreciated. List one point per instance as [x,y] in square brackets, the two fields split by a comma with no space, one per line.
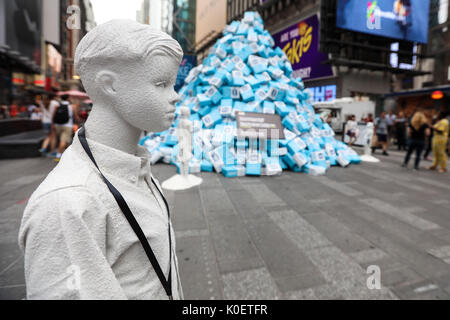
[131,68]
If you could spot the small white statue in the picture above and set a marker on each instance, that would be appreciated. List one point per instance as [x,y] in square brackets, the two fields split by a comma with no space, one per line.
[184,134]
[368,136]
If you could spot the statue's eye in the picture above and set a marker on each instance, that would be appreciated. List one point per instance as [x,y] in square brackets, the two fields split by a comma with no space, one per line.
[161,84]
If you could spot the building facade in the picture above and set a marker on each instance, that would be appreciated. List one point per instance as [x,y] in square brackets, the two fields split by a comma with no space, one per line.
[77,19]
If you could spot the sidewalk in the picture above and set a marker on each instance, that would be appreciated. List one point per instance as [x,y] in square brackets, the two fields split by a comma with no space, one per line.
[287,237]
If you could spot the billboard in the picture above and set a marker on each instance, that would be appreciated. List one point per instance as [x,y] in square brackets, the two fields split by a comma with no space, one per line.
[323,93]
[300,42]
[397,19]
[187,63]
[211,15]
[51,19]
[23,28]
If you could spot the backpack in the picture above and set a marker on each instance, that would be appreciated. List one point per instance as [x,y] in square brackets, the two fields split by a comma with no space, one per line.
[62,113]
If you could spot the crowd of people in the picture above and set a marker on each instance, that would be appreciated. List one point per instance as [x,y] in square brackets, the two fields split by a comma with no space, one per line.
[60,119]
[417,134]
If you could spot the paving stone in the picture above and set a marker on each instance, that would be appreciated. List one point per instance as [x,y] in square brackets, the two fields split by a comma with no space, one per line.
[423,290]
[13,292]
[187,213]
[369,255]
[263,195]
[323,292]
[198,270]
[391,178]
[299,230]
[339,187]
[190,233]
[231,184]
[399,277]
[10,223]
[342,272]
[10,252]
[14,275]
[440,252]
[216,203]
[250,285]
[394,243]
[24,180]
[400,214]
[281,256]
[300,282]
[336,267]
[290,193]
[234,248]
[338,233]
[245,205]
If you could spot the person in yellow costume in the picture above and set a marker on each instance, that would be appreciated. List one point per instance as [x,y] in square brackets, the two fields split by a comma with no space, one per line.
[439,143]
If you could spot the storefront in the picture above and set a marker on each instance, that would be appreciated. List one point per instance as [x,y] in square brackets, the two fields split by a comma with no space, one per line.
[432,99]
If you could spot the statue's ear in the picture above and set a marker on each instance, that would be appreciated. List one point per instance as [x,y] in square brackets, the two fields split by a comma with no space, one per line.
[105,81]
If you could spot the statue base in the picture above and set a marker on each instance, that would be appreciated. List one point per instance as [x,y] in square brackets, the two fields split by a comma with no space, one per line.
[369,158]
[179,182]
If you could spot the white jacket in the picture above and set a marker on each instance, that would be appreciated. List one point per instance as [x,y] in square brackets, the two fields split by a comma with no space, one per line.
[78,243]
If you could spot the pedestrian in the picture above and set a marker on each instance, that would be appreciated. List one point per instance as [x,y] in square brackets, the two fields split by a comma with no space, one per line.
[369,118]
[381,130]
[429,141]
[440,140]
[4,114]
[48,107]
[418,130]
[400,129]
[36,114]
[63,121]
[13,109]
[351,130]
[390,119]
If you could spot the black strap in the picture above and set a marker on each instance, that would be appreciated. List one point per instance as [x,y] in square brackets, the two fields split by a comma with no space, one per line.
[166,283]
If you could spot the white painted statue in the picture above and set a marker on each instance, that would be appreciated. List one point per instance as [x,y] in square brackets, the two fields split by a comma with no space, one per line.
[77,240]
[368,136]
[184,135]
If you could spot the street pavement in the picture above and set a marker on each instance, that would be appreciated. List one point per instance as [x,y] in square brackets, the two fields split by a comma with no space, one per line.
[292,236]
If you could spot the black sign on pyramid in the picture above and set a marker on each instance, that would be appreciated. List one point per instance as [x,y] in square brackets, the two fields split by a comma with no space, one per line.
[245,75]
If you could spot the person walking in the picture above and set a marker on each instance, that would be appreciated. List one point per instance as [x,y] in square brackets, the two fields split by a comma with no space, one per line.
[400,129]
[418,130]
[381,130]
[390,119]
[351,130]
[429,140]
[440,140]
[63,117]
[47,108]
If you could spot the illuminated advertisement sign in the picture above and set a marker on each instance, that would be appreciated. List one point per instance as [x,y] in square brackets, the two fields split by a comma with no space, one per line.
[323,93]
[300,42]
[186,65]
[397,19]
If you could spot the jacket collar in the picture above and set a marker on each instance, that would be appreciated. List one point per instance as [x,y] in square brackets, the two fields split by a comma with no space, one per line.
[115,162]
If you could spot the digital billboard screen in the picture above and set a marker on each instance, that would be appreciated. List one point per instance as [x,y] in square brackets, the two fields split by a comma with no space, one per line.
[397,19]
[300,42]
